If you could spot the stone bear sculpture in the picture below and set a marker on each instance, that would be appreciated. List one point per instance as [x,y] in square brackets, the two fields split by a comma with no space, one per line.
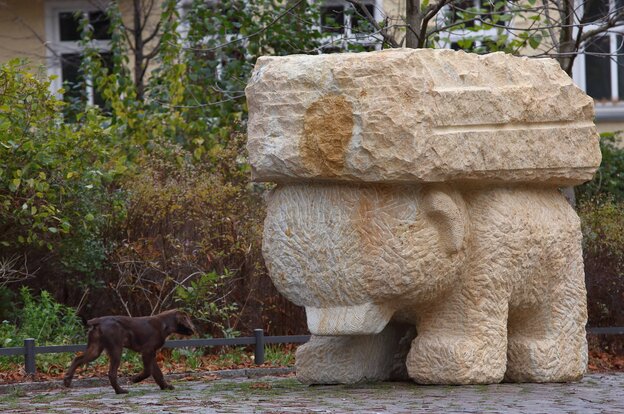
[417,215]
[491,278]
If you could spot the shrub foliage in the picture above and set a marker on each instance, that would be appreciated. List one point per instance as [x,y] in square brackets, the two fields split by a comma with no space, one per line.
[601,208]
[146,203]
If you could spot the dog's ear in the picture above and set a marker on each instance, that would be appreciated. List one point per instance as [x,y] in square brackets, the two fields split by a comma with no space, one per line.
[184,324]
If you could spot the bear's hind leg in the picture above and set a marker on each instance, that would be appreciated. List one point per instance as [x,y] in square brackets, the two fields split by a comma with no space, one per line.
[547,341]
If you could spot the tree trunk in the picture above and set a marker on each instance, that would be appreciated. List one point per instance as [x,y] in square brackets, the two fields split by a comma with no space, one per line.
[567,44]
[567,47]
[414,21]
[138,50]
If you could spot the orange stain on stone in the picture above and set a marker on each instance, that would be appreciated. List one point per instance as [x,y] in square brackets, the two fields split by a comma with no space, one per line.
[327,131]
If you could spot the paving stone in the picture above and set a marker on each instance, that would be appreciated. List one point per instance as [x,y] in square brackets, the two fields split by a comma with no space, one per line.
[596,393]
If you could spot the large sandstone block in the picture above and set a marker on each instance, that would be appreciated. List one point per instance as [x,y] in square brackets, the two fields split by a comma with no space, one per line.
[405,115]
[417,215]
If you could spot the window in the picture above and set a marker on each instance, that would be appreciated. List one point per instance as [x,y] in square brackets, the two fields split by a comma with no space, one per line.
[346,24]
[64,51]
[462,20]
[599,70]
[594,10]
[221,24]
[468,11]
[230,9]
[333,19]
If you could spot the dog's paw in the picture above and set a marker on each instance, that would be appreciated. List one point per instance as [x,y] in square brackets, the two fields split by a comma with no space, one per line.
[168,387]
[67,382]
[121,391]
[137,378]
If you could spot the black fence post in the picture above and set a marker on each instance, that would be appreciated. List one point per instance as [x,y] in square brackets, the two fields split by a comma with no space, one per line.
[259,351]
[29,356]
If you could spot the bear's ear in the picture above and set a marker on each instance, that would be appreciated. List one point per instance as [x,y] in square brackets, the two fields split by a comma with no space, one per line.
[446,210]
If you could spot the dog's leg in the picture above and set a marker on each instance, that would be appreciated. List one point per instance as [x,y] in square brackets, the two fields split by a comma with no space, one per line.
[159,377]
[94,349]
[148,357]
[114,355]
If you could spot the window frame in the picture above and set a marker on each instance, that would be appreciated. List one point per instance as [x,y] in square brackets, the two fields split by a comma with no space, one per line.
[183,7]
[613,109]
[456,35]
[340,40]
[56,48]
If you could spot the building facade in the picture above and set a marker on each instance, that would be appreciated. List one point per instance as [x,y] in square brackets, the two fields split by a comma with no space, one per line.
[47,33]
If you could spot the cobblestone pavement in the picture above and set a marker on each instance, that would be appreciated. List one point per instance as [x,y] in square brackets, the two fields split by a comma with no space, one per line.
[596,393]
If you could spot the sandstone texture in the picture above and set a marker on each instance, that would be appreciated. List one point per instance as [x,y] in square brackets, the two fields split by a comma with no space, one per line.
[424,115]
[417,215]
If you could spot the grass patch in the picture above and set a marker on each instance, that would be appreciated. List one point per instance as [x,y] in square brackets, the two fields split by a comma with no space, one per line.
[280,355]
[11,397]
[44,398]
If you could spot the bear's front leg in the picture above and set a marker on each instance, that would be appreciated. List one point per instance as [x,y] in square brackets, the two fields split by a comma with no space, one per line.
[351,359]
[462,339]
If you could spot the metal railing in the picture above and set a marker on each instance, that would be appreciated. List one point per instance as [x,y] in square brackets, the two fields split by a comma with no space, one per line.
[30,351]
[612,330]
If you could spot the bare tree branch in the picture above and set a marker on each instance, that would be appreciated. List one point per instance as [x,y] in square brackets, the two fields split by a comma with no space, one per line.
[146,12]
[612,21]
[11,271]
[431,12]
[551,31]
[150,37]
[387,37]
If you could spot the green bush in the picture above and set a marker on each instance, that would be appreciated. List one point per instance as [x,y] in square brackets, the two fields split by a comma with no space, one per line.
[55,178]
[601,208]
[609,179]
[193,233]
[45,320]
[201,299]
[603,249]
[150,195]
[49,323]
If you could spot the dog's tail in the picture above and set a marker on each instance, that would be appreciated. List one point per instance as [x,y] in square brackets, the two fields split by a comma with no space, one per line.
[94,329]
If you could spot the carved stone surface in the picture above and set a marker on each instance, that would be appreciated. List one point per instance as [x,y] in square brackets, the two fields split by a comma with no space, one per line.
[417,190]
[424,115]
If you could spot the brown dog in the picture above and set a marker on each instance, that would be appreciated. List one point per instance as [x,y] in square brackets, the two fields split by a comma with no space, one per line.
[145,334]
